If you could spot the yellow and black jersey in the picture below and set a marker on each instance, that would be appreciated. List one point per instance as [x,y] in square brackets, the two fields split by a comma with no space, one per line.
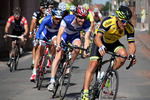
[111,32]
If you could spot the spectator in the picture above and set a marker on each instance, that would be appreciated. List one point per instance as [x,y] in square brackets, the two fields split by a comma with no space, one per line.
[143,16]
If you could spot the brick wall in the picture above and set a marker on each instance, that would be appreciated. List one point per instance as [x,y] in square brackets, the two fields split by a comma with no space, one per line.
[6,7]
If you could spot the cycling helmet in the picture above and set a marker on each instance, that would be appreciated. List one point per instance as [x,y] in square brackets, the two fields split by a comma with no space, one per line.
[86,6]
[68,6]
[81,11]
[62,6]
[95,10]
[50,2]
[72,8]
[44,4]
[124,12]
[17,11]
[57,13]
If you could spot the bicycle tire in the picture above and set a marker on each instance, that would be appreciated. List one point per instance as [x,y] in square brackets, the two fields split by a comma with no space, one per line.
[65,80]
[17,60]
[109,88]
[58,77]
[12,65]
[42,71]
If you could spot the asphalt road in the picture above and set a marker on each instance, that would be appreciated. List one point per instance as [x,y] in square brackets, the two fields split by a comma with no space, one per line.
[134,84]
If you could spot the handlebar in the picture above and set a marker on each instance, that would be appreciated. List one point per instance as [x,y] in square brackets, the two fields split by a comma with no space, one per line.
[74,47]
[128,58]
[14,36]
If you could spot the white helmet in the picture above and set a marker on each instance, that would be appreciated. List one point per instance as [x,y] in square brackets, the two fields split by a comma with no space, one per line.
[96,10]
[86,6]
[62,6]
[72,8]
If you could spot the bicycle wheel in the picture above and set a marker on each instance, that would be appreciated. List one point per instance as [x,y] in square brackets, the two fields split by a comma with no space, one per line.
[109,86]
[12,64]
[42,71]
[65,80]
[17,60]
[57,83]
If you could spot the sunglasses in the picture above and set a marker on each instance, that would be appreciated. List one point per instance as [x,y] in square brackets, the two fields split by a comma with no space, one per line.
[124,21]
[16,15]
[57,18]
[81,17]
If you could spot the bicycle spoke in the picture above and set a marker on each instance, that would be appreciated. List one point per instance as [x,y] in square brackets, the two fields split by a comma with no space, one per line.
[110,87]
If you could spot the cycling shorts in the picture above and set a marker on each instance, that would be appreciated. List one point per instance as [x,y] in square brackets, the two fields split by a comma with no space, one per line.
[66,37]
[95,55]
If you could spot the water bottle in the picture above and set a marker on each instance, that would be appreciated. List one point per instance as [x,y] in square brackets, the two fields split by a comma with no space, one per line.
[101,76]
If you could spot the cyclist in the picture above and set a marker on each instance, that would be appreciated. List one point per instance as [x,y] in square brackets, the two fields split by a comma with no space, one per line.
[64,7]
[91,20]
[110,31]
[69,31]
[50,6]
[90,16]
[19,25]
[47,30]
[72,10]
[37,15]
[97,17]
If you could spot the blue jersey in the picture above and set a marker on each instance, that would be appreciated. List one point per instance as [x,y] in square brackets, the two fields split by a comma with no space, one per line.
[71,28]
[47,24]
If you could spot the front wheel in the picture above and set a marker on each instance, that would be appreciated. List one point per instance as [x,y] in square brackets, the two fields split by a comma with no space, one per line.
[109,87]
[65,80]
[12,65]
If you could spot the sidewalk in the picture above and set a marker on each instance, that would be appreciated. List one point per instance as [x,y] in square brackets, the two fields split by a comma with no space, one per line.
[144,38]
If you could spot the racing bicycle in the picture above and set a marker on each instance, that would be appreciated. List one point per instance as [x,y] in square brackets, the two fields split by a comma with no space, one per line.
[15,52]
[41,71]
[63,73]
[105,86]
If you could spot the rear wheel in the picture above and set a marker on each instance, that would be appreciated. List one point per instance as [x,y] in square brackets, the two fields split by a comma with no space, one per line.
[65,80]
[109,87]
[17,60]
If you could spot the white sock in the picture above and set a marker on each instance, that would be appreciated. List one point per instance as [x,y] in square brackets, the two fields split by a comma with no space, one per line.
[52,80]
[32,61]
[34,71]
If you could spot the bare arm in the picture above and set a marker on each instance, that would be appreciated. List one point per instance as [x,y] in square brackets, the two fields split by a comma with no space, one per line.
[60,32]
[87,37]
[92,26]
[33,24]
[97,40]
[132,48]
[7,27]
[26,30]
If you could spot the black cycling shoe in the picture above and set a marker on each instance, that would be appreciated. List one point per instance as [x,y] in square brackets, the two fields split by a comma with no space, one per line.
[9,63]
[32,66]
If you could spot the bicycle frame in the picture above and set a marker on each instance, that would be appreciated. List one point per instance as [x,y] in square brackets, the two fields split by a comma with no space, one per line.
[99,85]
[14,54]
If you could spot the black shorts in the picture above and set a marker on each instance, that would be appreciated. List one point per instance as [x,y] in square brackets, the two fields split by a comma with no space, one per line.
[95,55]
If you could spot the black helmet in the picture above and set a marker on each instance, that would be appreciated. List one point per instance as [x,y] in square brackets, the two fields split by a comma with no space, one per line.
[50,2]
[124,12]
[57,13]
[44,3]
[17,11]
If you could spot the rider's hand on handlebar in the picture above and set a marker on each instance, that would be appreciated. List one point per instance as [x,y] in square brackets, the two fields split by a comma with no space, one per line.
[5,36]
[86,54]
[102,50]
[58,48]
[134,59]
